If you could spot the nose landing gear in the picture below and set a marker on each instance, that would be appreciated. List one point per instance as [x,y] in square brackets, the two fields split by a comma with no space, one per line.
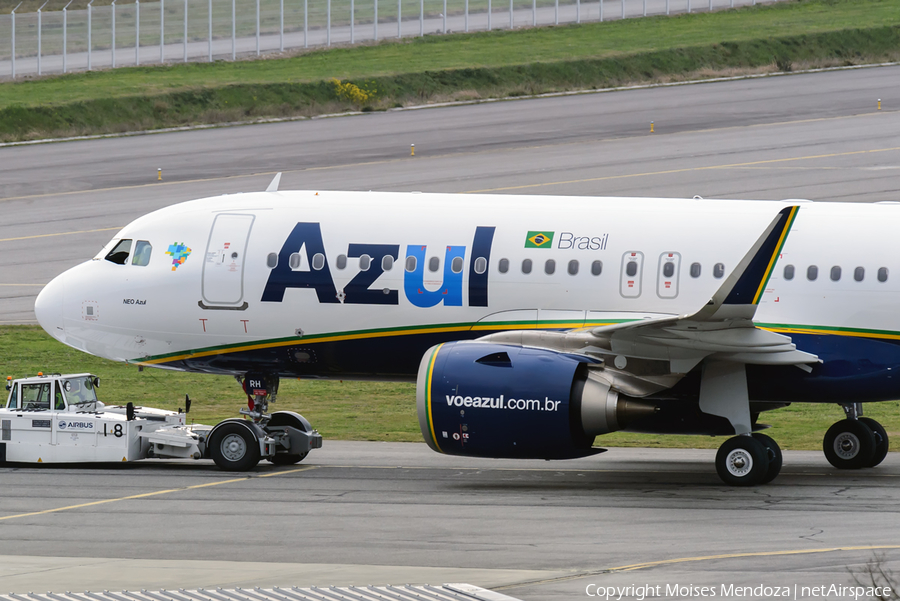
[283,437]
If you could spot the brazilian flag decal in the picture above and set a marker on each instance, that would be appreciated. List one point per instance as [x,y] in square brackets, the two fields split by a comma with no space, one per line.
[539,239]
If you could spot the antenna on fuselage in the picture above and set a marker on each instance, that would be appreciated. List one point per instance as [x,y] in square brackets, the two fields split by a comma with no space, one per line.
[273,187]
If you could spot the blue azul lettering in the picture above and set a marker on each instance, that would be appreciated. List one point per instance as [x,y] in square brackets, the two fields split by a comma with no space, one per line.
[357,291]
[450,290]
[306,239]
[478,282]
[309,236]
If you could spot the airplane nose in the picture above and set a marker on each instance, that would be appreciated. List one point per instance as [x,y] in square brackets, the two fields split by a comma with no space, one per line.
[48,307]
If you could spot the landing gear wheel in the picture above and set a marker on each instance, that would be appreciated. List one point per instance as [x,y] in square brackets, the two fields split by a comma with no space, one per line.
[234,448]
[281,418]
[881,440]
[773,452]
[849,444]
[742,461]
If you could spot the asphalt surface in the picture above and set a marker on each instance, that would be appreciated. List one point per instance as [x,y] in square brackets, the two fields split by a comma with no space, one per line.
[371,513]
[375,512]
[817,136]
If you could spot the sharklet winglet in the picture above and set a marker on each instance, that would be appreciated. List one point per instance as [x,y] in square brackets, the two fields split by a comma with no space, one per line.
[751,285]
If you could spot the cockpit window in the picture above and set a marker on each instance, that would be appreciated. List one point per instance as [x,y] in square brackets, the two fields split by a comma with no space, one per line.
[142,250]
[119,253]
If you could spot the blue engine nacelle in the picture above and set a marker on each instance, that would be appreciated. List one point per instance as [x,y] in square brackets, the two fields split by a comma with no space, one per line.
[492,400]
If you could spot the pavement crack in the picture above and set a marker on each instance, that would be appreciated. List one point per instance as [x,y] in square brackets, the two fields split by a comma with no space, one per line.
[814,534]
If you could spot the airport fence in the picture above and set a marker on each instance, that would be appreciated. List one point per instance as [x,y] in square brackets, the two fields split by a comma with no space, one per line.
[128,32]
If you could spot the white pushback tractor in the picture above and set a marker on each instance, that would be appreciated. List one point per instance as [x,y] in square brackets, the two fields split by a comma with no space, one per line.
[59,419]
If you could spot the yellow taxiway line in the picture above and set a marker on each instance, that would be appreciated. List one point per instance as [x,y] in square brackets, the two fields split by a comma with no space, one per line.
[156,493]
[677,560]
[103,229]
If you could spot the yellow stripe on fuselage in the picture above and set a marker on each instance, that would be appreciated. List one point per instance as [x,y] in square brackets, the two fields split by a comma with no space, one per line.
[314,339]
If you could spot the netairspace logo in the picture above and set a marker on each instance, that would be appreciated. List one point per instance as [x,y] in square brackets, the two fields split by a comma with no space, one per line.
[725,591]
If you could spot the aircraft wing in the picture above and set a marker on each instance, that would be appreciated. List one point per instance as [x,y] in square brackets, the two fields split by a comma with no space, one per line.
[651,354]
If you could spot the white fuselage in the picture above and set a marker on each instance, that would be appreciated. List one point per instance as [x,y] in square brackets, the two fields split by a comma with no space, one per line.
[275,278]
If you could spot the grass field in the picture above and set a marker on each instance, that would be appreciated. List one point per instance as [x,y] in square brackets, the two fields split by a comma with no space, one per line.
[461,66]
[477,50]
[348,410]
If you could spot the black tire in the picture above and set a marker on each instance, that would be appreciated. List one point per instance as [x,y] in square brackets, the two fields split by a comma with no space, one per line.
[287,459]
[773,452]
[280,418]
[881,440]
[849,444]
[234,447]
[742,461]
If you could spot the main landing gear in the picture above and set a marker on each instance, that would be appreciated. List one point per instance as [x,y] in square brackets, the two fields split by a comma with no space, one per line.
[855,442]
[748,460]
[283,437]
[852,443]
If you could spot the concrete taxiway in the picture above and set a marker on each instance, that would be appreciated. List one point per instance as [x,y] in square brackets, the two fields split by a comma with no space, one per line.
[373,513]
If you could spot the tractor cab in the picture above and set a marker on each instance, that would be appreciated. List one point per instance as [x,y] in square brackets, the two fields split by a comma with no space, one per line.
[73,392]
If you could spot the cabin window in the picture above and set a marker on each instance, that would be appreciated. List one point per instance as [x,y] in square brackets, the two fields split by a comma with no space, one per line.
[718,270]
[480,264]
[668,269]
[573,267]
[365,261]
[272,260]
[456,265]
[434,264]
[789,272]
[596,267]
[387,263]
[859,274]
[119,253]
[835,273]
[503,265]
[812,272]
[295,261]
[526,266]
[142,250]
[341,262]
[631,268]
[695,270]
[13,400]
[882,274]
[410,264]
[549,266]
[318,261]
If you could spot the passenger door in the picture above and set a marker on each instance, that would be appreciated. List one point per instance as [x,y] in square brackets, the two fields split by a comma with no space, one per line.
[668,274]
[223,267]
